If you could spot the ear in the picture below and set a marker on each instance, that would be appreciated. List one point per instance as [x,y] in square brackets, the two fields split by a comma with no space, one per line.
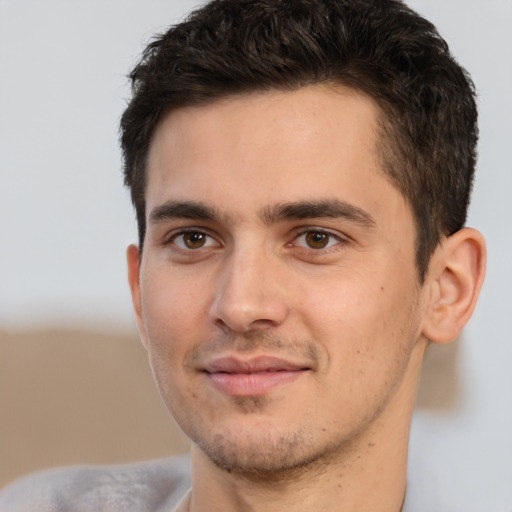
[456,273]
[133,261]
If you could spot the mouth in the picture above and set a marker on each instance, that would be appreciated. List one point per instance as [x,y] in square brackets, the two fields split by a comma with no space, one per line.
[253,377]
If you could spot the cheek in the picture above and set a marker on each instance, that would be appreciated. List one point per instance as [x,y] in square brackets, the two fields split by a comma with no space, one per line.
[174,312]
[368,334]
[365,320]
[173,315]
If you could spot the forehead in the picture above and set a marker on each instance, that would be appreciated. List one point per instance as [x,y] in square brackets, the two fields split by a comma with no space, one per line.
[265,148]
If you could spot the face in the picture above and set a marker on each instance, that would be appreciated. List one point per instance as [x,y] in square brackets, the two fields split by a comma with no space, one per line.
[277,293]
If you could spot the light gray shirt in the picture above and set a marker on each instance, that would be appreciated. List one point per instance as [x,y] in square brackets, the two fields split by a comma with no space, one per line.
[154,486]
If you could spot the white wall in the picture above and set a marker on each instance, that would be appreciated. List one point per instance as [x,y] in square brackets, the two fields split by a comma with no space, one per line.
[65,219]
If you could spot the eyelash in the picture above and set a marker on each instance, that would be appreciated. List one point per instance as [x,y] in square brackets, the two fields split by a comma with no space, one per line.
[182,233]
[333,240]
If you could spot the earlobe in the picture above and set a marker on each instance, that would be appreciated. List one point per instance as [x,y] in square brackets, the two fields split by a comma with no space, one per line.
[133,261]
[456,274]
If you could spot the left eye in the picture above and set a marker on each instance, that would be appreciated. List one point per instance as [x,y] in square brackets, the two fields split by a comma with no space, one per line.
[317,239]
[193,240]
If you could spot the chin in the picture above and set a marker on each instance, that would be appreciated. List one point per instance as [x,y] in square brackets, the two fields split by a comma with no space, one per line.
[260,456]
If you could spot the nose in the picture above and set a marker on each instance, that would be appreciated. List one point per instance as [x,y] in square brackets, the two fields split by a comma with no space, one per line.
[250,293]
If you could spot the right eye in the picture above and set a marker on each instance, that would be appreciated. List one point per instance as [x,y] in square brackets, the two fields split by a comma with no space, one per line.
[191,240]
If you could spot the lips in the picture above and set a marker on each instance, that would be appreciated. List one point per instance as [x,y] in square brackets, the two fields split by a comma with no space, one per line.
[253,377]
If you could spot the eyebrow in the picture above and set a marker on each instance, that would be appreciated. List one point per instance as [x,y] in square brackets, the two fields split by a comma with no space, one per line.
[328,208]
[182,210]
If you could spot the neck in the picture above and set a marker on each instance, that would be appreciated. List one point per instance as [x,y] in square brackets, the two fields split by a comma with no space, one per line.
[370,474]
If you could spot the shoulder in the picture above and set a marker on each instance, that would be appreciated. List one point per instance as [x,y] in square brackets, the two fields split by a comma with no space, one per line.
[148,486]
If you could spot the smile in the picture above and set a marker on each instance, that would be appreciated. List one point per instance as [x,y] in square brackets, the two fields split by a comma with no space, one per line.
[255,377]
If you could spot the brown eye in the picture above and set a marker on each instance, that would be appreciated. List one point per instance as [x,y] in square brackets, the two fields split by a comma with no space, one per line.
[193,240]
[317,239]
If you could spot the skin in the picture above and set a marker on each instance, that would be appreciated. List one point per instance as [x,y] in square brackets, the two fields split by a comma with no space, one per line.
[273,234]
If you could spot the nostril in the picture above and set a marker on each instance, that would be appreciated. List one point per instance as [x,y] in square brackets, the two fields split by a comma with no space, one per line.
[242,327]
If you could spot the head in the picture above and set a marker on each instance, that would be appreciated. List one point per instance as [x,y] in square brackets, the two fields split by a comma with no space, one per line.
[294,165]
[381,48]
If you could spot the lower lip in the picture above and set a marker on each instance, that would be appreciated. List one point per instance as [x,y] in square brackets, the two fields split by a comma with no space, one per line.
[252,384]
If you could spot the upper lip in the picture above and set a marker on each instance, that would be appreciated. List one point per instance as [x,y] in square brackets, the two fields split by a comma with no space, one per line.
[236,365]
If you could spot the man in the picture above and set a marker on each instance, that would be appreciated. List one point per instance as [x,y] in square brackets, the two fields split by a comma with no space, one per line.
[301,172]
